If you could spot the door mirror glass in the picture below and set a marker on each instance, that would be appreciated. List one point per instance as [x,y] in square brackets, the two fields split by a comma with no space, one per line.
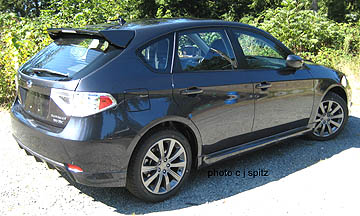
[294,61]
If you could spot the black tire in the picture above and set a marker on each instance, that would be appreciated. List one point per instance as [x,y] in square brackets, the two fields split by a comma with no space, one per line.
[168,176]
[324,117]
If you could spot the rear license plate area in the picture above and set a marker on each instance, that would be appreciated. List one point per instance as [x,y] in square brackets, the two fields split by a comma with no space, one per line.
[37,104]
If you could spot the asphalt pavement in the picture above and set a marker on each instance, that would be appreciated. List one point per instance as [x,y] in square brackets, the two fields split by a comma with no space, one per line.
[294,177]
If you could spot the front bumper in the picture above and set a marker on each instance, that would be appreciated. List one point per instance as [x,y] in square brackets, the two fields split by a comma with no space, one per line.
[104,162]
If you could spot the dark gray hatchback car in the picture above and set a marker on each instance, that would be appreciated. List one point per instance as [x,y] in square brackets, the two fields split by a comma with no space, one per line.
[142,104]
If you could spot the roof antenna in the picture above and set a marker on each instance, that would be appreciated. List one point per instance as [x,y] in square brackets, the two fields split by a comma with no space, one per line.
[120,20]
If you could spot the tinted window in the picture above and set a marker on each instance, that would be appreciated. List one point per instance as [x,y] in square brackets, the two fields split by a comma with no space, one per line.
[156,55]
[259,51]
[205,50]
[68,56]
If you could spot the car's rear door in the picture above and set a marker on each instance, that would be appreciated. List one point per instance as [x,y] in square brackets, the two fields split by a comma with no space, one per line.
[210,90]
[283,96]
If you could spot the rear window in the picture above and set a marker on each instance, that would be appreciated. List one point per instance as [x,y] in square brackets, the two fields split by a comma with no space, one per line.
[67,56]
[156,54]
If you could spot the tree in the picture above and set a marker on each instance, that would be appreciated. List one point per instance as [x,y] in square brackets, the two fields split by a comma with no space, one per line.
[24,7]
[336,10]
[315,5]
[147,8]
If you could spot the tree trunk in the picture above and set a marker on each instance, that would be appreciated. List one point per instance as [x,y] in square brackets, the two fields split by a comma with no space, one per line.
[315,5]
[37,8]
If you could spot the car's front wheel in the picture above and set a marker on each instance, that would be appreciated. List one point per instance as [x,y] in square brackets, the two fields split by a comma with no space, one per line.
[331,117]
[160,166]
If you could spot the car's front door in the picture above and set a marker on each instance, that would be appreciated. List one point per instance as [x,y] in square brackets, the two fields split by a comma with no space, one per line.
[210,90]
[283,96]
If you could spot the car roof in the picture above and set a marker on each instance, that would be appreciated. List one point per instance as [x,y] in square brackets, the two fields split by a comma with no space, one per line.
[140,31]
[147,29]
[170,24]
[163,26]
[173,24]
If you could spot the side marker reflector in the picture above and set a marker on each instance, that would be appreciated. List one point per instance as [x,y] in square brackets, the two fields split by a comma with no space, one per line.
[74,168]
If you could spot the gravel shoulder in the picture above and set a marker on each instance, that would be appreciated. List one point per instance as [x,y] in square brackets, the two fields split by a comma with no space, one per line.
[305,177]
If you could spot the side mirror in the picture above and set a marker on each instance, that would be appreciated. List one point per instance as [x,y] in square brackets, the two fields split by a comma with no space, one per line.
[294,61]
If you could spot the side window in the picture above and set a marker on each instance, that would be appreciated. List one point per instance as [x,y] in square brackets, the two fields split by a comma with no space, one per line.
[259,51]
[156,55]
[205,50]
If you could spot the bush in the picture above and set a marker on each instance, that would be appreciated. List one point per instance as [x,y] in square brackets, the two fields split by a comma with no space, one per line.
[309,34]
[313,36]
[306,31]
[21,37]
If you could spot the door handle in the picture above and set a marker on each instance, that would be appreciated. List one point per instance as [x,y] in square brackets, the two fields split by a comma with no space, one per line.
[263,85]
[192,91]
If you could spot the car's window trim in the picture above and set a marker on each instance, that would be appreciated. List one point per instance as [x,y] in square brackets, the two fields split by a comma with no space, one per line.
[173,52]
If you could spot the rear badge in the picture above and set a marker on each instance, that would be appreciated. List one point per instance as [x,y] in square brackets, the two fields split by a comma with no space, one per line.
[58,119]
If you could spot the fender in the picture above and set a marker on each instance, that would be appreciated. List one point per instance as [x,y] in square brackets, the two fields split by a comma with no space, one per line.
[154,123]
[321,88]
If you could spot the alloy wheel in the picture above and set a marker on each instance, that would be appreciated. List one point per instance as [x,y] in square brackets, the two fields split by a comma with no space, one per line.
[163,166]
[329,118]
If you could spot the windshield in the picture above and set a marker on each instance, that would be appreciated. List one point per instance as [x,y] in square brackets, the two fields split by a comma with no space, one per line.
[67,56]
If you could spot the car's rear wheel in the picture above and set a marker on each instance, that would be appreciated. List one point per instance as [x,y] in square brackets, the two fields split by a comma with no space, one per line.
[159,166]
[331,117]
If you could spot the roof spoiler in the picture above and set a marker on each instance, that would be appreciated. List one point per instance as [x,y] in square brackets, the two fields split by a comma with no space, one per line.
[117,37]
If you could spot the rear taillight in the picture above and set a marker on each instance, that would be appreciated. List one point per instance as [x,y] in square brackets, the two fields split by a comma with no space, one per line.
[105,101]
[82,104]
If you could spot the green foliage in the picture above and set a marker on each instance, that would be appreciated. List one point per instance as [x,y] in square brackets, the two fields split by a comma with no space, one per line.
[308,33]
[329,36]
[254,47]
[23,7]
[80,12]
[20,39]
[232,10]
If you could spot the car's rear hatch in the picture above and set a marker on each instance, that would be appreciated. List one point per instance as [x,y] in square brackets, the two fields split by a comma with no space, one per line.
[74,54]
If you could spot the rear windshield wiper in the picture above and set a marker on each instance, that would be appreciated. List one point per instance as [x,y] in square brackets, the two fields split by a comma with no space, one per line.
[36,70]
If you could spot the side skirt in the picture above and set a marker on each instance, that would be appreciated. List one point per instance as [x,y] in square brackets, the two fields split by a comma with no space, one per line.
[245,148]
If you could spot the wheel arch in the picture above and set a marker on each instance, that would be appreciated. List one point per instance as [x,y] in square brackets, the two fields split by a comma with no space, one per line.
[337,89]
[337,92]
[180,124]
[320,94]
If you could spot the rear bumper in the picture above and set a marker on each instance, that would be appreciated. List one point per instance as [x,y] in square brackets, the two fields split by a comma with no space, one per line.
[104,162]
[89,179]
